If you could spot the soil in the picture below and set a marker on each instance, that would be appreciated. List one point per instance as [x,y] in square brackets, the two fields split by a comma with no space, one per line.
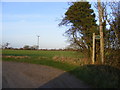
[24,75]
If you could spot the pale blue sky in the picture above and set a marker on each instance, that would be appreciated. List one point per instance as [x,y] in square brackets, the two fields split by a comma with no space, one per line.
[23,21]
[0,24]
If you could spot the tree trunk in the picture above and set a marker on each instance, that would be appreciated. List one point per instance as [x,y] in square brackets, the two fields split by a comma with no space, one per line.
[101,31]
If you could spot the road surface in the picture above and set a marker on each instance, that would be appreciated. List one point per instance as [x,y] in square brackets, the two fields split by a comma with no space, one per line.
[23,75]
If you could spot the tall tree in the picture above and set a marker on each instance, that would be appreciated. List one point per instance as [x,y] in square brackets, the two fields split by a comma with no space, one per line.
[81,19]
[115,33]
[101,31]
[111,15]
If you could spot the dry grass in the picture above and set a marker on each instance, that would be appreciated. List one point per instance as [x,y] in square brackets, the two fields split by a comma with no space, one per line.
[75,61]
[16,57]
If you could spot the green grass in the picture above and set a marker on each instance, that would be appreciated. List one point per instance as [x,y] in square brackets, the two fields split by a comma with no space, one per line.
[49,54]
[100,76]
[45,60]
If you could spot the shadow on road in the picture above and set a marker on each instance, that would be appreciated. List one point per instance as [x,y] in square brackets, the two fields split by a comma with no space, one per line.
[65,81]
[23,75]
[96,76]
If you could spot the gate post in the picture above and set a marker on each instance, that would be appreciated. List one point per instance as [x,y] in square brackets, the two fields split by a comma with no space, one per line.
[93,53]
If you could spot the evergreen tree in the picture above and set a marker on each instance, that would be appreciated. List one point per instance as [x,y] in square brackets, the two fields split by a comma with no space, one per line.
[81,19]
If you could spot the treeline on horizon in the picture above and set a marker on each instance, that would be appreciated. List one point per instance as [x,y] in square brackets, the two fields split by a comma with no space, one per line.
[42,49]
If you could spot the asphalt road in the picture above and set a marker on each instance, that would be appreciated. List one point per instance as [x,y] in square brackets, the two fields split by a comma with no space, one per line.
[23,75]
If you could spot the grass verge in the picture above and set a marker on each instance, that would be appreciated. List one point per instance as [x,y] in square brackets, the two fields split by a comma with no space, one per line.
[100,76]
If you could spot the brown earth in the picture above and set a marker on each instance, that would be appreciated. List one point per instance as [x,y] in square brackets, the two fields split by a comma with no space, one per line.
[23,75]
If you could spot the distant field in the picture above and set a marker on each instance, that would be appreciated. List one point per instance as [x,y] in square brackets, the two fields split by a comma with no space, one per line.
[37,53]
[71,57]
[50,58]
[101,76]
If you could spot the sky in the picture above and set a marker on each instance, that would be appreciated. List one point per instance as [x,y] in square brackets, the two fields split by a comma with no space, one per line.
[0,42]
[23,21]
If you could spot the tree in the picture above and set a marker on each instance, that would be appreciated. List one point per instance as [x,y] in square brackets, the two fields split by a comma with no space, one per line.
[111,18]
[27,47]
[34,47]
[115,25]
[115,33]
[81,19]
[5,46]
[111,15]
[115,20]
[101,31]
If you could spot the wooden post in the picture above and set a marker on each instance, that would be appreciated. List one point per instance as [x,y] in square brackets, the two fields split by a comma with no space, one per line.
[101,32]
[93,53]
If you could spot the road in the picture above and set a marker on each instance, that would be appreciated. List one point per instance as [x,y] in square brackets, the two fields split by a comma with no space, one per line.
[23,75]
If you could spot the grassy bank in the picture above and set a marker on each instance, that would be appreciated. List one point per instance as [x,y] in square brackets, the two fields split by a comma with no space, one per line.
[99,76]
[95,75]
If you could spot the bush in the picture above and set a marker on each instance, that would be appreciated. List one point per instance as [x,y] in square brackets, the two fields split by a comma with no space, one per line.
[112,57]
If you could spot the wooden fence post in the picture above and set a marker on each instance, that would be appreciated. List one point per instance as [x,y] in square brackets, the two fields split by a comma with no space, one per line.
[93,53]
